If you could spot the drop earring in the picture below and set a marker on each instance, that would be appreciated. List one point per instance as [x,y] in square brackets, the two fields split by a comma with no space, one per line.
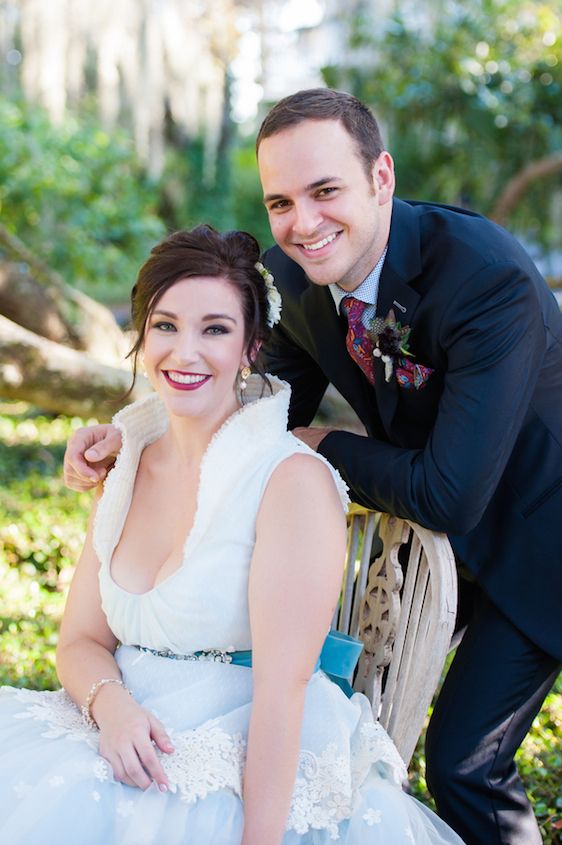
[245,373]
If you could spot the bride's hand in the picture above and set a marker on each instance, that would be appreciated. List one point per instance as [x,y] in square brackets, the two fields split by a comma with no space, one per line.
[128,737]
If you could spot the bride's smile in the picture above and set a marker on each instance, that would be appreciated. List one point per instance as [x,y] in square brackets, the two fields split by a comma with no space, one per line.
[194,348]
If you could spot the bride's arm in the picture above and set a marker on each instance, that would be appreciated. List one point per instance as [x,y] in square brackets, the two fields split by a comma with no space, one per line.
[295,581]
[85,656]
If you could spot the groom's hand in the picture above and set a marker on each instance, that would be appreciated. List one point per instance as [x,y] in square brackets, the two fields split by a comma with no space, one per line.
[312,435]
[90,453]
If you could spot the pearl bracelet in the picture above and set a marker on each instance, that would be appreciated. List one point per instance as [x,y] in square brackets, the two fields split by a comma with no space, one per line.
[86,708]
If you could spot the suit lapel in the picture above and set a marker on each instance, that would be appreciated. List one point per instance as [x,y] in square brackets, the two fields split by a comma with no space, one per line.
[401,265]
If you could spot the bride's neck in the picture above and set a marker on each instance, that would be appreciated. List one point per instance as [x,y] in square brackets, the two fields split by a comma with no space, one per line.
[187,438]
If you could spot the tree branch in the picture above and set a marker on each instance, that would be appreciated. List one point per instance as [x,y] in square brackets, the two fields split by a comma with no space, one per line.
[88,325]
[519,184]
[58,379]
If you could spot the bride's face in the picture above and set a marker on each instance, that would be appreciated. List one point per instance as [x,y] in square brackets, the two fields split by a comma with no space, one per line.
[194,347]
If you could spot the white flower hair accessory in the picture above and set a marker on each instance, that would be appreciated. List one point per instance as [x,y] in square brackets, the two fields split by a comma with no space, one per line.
[273,295]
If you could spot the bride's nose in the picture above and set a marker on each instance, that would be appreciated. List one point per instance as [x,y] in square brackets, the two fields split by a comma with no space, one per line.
[186,347]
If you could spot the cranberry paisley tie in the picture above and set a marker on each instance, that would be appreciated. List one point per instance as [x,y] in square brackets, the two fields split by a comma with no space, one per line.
[358,343]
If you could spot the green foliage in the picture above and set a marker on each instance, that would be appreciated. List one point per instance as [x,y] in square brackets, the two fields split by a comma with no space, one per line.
[42,526]
[230,197]
[468,95]
[247,195]
[77,198]
[193,190]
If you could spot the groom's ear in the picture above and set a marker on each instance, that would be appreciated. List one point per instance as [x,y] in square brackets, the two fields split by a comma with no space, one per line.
[383,177]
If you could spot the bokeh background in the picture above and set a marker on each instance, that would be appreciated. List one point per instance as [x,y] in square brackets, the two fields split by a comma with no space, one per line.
[122,120]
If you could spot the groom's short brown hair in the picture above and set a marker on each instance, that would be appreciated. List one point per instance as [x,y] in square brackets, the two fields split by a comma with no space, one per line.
[327,104]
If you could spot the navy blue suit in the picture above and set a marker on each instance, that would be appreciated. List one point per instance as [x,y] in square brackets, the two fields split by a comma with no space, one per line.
[476,453]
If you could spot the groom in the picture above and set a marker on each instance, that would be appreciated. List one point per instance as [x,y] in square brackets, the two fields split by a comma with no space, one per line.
[458,383]
[464,431]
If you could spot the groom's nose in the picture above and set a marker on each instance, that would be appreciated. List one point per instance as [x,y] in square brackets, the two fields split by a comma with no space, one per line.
[307,218]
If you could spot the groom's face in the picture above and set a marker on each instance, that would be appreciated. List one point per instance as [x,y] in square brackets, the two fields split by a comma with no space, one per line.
[325,212]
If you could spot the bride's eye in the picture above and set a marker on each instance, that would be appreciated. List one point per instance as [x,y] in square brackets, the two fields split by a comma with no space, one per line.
[217,330]
[164,326]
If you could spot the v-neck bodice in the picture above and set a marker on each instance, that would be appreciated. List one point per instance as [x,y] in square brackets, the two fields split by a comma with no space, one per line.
[203,604]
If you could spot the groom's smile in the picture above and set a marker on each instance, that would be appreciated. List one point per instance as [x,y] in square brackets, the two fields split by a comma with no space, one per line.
[320,248]
[324,211]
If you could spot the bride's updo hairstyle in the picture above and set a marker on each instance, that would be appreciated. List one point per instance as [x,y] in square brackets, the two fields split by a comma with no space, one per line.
[203,251]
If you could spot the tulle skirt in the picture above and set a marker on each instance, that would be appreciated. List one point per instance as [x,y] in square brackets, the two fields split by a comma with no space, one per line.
[55,789]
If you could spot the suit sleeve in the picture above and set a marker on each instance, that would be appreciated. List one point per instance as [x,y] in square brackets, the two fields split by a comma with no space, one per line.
[494,338]
[284,358]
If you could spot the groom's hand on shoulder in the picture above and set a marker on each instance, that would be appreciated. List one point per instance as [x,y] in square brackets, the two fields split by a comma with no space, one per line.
[312,435]
[90,453]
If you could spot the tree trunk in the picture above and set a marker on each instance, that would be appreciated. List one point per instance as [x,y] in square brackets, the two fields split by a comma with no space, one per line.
[30,304]
[83,322]
[58,379]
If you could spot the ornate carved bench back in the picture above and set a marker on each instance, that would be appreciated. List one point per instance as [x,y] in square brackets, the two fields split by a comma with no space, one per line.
[402,605]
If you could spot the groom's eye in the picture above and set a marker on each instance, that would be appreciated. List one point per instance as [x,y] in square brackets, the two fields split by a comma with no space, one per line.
[279,205]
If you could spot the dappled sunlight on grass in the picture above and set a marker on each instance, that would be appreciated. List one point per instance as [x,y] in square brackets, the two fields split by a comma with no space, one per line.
[42,527]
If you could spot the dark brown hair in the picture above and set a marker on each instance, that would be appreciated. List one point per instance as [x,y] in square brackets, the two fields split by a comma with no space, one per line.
[204,252]
[327,104]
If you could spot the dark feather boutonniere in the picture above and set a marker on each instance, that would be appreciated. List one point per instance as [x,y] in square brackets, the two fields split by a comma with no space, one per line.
[390,342]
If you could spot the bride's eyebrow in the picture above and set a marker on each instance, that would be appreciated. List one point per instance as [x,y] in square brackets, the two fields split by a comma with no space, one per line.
[207,317]
[219,317]
[164,313]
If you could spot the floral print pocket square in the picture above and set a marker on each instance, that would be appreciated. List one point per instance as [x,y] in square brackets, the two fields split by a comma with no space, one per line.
[412,376]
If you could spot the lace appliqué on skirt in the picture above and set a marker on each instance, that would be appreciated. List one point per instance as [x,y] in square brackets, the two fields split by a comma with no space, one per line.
[205,760]
[59,712]
[208,759]
[371,744]
[327,785]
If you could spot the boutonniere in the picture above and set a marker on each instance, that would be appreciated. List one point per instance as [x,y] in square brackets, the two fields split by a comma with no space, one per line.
[390,341]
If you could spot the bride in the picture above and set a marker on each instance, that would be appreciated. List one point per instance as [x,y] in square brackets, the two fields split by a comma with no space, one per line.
[193,707]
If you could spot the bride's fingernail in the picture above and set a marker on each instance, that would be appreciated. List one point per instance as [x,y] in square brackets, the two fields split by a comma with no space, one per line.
[162,787]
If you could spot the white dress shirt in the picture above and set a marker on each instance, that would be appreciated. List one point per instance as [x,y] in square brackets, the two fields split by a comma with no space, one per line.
[367,291]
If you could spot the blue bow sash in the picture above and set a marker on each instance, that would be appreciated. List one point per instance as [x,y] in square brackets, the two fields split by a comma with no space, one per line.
[337,660]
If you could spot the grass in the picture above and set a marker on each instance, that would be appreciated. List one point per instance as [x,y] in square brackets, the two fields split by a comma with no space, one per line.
[42,526]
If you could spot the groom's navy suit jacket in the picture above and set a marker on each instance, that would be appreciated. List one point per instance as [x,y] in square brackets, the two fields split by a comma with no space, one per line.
[476,452]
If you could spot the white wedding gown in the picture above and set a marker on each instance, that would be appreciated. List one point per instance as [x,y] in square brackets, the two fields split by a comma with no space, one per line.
[54,787]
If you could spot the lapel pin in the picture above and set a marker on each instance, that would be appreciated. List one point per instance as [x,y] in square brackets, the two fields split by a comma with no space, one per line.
[401,307]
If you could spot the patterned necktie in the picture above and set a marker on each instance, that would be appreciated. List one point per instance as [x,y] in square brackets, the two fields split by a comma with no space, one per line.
[358,342]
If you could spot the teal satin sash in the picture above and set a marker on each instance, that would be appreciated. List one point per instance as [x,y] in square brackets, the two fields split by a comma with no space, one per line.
[337,660]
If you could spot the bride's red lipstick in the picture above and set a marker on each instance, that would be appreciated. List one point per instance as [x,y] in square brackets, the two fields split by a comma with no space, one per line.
[185,386]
